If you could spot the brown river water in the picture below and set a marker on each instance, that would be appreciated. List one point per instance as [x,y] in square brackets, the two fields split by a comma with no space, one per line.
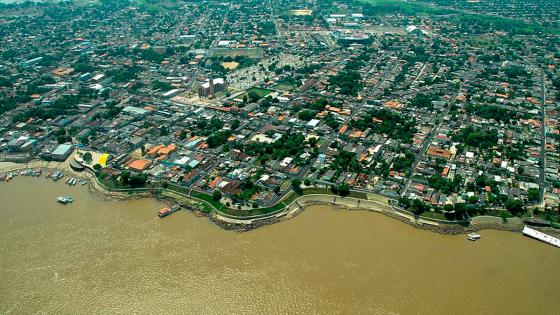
[97,256]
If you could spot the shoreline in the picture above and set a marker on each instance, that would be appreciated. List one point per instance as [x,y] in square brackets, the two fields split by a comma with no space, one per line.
[291,211]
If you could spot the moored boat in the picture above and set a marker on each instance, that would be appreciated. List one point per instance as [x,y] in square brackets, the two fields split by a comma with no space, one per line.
[168,210]
[64,200]
[164,212]
[473,236]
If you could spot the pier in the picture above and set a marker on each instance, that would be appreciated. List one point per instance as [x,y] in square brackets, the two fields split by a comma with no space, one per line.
[541,236]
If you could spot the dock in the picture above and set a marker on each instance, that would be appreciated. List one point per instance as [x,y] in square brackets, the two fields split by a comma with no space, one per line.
[541,236]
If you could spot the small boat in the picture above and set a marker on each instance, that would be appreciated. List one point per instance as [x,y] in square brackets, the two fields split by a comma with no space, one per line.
[473,236]
[64,200]
[73,181]
[67,181]
[83,182]
[164,212]
[168,210]
[57,175]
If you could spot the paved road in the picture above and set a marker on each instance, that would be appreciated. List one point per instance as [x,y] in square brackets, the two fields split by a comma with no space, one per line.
[542,175]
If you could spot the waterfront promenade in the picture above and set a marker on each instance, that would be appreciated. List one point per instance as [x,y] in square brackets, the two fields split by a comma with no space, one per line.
[286,208]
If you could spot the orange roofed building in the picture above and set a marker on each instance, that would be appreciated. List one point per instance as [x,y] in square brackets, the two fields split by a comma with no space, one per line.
[439,152]
[161,150]
[139,165]
[392,104]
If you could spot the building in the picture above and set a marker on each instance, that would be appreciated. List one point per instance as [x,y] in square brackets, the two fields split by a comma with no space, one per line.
[135,111]
[439,152]
[211,86]
[62,152]
[313,123]
[139,165]
[171,93]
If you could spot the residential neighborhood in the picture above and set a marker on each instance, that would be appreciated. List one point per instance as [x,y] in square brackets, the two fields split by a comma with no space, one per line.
[246,101]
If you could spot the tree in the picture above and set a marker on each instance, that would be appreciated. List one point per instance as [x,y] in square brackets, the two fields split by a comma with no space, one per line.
[163,131]
[97,167]
[87,157]
[183,135]
[296,185]
[349,82]
[306,114]
[418,207]
[460,210]
[276,189]
[343,189]
[161,85]
[125,176]
[404,202]
[534,195]
[138,180]
[307,182]
[504,216]
[253,96]
[473,199]
[216,195]
[514,206]
[422,101]
[235,124]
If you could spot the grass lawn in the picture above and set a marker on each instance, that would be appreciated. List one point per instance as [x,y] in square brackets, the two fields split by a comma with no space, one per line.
[202,206]
[434,215]
[160,5]
[398,6]
[284,87]
[288,199]
[260,92]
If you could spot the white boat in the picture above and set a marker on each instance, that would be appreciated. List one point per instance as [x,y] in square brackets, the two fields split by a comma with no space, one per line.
[473,236]
[64,200]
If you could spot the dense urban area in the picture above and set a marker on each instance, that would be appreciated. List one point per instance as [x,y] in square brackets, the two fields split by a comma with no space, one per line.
[448,108]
